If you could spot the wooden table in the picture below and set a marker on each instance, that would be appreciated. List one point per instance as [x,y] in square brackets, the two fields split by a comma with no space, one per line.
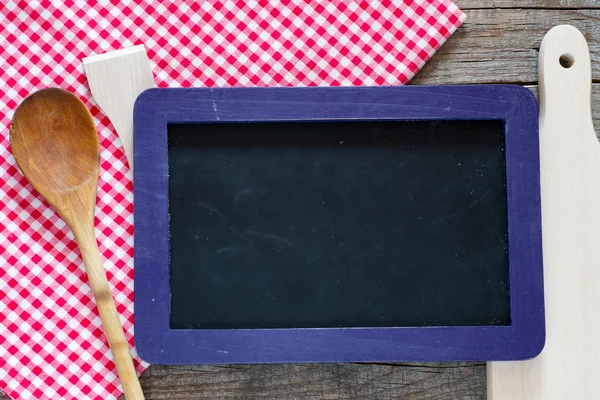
[499,43]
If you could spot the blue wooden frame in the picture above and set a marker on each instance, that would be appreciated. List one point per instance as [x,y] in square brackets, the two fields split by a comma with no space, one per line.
[156,342]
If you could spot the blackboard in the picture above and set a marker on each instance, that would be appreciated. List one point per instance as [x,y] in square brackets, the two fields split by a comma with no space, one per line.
[347,224]
[337,224]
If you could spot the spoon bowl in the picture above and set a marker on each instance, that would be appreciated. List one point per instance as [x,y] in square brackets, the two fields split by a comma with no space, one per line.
[53,122]
[55,144]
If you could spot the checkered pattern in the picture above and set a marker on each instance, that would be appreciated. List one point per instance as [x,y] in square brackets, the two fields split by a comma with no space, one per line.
[51,340]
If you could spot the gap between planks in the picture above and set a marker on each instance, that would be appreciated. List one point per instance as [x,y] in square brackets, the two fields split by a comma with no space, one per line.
[527,4]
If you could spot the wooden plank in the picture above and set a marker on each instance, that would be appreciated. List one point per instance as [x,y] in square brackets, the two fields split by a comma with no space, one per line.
[317,381]
[502,45]
[552,4]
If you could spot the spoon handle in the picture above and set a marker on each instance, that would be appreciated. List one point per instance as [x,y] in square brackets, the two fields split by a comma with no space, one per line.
[108,312]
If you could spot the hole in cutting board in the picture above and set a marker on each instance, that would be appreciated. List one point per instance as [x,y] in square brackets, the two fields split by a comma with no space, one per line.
[338,224]
[566,60]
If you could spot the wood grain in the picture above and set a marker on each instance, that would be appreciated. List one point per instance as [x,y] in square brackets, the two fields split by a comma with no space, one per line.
[317,381]
[552,4]
[502,46]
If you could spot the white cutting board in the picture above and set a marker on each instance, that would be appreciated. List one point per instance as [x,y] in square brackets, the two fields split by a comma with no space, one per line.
[569,366]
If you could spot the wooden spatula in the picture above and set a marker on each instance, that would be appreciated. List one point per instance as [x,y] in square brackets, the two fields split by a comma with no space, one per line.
[570,187]
[116,79]
[55,144]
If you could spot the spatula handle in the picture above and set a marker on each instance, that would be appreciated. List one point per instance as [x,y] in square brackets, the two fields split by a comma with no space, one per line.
[108,313]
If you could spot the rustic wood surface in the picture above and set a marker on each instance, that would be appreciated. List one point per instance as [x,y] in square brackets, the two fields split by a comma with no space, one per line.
[548,4]
[499,43]
[317,381]
[502,45]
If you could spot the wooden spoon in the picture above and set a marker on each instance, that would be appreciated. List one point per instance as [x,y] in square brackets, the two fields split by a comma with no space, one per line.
[55,144]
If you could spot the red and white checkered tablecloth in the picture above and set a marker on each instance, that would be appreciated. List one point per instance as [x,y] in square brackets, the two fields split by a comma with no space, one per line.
[51,340]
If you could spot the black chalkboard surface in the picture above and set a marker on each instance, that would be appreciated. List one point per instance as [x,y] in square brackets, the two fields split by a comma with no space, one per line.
[338,224]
